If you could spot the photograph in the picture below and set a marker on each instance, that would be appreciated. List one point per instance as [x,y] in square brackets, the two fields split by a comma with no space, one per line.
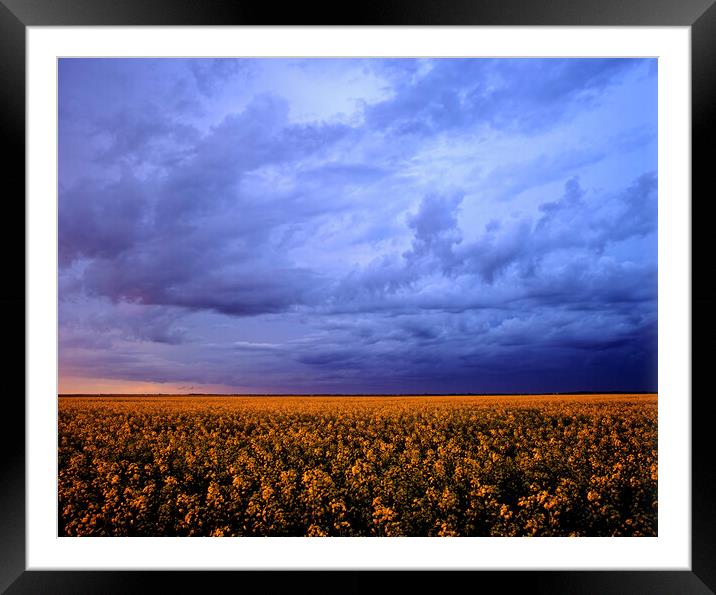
[357,297]
[377,297]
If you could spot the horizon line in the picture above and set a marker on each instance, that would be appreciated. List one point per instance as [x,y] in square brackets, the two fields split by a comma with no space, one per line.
[364,394]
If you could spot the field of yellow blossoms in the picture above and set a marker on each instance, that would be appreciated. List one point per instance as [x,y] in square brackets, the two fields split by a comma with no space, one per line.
[358,466]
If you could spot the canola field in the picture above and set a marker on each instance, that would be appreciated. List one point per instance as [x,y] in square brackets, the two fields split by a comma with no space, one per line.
[358,466]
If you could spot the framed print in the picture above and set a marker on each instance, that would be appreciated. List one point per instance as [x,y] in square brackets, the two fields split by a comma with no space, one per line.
[411,292]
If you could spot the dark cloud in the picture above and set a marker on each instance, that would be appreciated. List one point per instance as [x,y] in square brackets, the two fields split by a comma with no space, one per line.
[141,136]
[101,323]
[435,229]
[570,223]
[523,94]
[102,220]
[259,136]
[368,252]
[192,238]
[209,74]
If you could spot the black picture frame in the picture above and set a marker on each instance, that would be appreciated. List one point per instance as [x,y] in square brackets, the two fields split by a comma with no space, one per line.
[17,15]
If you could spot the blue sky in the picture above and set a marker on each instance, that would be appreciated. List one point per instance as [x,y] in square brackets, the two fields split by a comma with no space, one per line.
[357,225]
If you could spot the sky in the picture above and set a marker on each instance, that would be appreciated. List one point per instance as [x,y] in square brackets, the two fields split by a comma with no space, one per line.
[357,225]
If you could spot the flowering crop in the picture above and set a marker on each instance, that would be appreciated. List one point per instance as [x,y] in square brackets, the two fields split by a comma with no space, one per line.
[358,466]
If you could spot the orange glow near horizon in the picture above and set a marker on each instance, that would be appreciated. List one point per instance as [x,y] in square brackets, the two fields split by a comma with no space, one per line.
[85,385]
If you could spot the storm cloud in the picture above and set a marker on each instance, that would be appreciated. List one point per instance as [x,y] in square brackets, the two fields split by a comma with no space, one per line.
[358,225]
